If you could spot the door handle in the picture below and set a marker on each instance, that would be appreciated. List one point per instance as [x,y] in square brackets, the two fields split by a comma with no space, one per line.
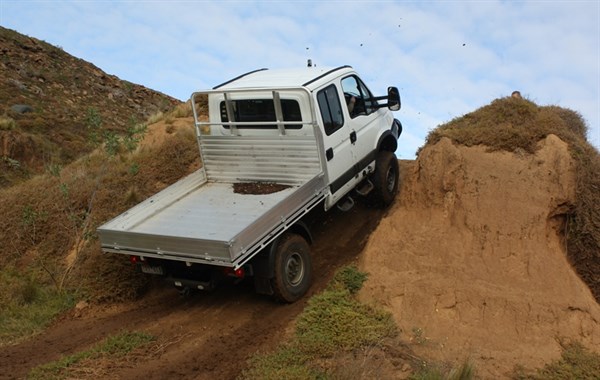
[329,154]
[353,137]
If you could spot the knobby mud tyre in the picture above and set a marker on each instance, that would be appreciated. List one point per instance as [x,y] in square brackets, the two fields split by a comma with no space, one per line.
[293,268]
[386,178]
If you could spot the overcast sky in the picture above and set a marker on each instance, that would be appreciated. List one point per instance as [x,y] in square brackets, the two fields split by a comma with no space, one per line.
[447,58]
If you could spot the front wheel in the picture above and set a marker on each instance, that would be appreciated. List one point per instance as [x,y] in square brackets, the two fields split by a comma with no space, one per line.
[293,268]
[386,178]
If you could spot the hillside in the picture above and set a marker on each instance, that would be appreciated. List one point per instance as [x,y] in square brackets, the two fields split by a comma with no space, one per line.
[50,101]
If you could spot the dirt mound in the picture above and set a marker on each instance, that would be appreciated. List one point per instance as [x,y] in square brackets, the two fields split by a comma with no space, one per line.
[49,99]
[471,260]
[518,125]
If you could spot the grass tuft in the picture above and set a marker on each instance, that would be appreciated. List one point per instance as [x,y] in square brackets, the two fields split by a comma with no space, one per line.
[155,118]
[183,110]
[333,321]
[435,372]
[287,362]
[26,306]
[349,278]
[576,362]
[7,123]
[113,347]
[509,124]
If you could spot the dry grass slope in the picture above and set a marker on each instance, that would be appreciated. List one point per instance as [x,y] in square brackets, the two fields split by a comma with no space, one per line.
[517,125]
[46,97]
[49,222]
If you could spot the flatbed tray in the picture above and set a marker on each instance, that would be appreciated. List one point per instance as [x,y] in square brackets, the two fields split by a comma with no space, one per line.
[199,221]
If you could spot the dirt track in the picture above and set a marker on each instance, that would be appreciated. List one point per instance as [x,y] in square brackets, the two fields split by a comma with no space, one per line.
[204,336]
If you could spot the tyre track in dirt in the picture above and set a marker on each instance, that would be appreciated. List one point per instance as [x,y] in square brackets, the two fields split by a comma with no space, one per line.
[206,335]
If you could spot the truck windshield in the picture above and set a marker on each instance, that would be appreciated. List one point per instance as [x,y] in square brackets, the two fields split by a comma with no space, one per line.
[255,110]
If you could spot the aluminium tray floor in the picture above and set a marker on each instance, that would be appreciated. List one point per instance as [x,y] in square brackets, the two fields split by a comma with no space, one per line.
[212,212]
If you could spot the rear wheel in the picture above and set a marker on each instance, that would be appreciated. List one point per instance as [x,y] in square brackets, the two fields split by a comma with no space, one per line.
[293,269]
[386,178]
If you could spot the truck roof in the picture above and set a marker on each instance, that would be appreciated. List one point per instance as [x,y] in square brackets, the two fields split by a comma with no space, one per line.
[309,77]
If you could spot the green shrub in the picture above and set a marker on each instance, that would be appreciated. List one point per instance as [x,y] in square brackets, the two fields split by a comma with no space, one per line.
[333,321]
[349,278]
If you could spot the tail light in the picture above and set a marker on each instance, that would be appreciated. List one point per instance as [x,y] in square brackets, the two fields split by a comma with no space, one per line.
[239,273]
[136,259]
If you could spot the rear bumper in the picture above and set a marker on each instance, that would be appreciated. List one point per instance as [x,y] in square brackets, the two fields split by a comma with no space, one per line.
[183,283]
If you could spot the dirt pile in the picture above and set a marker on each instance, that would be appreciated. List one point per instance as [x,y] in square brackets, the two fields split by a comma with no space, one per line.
[48,101]
[471,261]
[518,125]
[254,188]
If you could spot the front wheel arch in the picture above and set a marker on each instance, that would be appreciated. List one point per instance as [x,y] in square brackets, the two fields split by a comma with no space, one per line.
[387,141]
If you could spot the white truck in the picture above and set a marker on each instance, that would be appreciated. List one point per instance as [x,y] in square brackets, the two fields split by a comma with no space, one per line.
[277,144]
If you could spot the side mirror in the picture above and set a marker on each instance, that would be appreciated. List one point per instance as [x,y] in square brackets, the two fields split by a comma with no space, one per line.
[393,99]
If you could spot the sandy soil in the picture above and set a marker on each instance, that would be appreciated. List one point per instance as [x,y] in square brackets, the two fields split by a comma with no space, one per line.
[471,263]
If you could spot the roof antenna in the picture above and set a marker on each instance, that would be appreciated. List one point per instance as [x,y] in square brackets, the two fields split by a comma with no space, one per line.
[309,63]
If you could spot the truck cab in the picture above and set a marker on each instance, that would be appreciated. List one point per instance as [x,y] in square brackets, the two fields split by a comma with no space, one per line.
[353,124]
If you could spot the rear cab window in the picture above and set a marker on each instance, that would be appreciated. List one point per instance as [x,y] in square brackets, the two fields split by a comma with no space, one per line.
[257,110]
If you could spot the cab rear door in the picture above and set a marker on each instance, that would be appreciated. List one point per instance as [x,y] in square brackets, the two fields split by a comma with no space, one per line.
[338,146]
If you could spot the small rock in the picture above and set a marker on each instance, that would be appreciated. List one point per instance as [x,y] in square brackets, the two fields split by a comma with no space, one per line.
[21,108]
[18,84]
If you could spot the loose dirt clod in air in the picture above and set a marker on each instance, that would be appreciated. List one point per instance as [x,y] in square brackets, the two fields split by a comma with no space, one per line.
[258,188]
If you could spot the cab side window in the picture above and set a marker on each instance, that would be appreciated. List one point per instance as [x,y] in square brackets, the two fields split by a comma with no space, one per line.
[331,109]
[359,99]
